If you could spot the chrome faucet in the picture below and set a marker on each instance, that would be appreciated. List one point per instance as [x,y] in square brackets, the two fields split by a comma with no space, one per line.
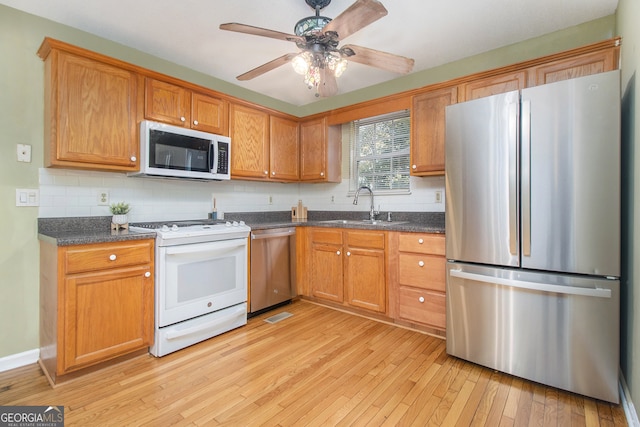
[372,212]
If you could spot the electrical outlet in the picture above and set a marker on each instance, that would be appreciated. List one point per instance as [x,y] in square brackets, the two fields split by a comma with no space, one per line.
[333,199]
[24,153]
[438,196]
[103,198]
[270,199]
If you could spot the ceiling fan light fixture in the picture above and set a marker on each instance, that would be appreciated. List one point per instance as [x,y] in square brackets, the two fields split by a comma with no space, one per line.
[336,64]
[301,63]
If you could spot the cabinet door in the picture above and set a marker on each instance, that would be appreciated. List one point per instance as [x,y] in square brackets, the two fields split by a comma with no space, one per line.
[492,86]
[106,314]
[284,149]
[209,114]
[167,103]
[313,160]
[326,271]
[365,279]
[428,131]
[578,66]
[92,115]
[249,131]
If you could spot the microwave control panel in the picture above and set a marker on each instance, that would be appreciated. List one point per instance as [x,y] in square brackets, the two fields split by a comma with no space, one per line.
[223,157]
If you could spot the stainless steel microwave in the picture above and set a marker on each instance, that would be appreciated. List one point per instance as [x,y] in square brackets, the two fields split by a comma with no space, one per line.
[176,152]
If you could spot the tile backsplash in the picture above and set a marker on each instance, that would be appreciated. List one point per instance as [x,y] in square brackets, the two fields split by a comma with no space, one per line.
[67,193]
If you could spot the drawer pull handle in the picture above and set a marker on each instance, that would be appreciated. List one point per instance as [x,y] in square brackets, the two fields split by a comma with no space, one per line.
[182,119]
[337,252]
[421,263]
[421,241]
[421,299]
[195,123]
[348,253]
[147,274]
[112,257]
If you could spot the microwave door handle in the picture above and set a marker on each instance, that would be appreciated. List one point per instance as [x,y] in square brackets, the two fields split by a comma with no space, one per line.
[213,158]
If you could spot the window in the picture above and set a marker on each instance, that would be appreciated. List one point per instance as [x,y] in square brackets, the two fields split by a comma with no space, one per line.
[380,153]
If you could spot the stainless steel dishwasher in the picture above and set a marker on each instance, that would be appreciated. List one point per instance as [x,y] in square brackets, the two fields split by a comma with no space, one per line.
[273,268]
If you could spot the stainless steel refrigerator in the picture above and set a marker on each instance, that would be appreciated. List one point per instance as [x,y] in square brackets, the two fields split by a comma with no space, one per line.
[533,233]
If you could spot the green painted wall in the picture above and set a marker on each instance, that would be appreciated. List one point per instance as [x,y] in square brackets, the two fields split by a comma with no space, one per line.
[21,121]
[628,16]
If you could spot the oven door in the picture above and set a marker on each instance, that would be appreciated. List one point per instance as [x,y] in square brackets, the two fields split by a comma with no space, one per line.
[196,279]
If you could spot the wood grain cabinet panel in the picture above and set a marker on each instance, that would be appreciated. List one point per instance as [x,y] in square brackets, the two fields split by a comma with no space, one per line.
[90,112]
[96,304]
[428,131]
[176,105]
[417,279]
[494,85]
[249,131]
[284,163]
[320,151]
[577,66]
[348,267]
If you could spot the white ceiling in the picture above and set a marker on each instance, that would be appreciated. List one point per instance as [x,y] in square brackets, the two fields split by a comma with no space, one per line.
[433,32]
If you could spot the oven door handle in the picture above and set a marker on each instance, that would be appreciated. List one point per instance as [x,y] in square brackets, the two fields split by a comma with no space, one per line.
[215,323]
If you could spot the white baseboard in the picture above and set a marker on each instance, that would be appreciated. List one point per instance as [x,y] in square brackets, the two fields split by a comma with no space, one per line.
[20,359]
[627,404]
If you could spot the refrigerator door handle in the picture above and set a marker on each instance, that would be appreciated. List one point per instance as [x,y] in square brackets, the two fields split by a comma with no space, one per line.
[513,180]
[526,178]
[543,287]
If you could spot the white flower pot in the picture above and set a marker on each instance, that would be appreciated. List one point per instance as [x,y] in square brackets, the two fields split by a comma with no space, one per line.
[120,219]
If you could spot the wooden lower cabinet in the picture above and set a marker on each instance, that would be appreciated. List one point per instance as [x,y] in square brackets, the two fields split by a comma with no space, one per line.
[417,279]
[348,267]
[96,303]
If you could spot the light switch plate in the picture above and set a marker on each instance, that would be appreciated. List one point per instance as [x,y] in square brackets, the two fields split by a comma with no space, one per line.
[24,153]
[27,197]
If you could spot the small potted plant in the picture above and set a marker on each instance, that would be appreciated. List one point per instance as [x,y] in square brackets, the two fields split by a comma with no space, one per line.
[119,212]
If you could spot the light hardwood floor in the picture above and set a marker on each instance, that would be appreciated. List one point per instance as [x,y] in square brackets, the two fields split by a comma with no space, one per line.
[318,367]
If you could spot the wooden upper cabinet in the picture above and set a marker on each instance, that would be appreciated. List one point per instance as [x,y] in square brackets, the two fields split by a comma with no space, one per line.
[179,106]
[428,131]
[284,149]
[320,151]
[249,131]
[492,85]
[577,66]
[90,112]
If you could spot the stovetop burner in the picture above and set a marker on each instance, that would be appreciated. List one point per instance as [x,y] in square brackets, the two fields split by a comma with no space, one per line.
[193,231]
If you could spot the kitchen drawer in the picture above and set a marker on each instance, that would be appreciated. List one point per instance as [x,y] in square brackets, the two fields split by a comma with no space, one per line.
[100,256]
[422,243]
[365,239]
[319,235]
[417,305]
[422,271]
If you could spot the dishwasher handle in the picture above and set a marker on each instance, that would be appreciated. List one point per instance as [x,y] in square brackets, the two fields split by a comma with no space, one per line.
[544,287]
[258,236]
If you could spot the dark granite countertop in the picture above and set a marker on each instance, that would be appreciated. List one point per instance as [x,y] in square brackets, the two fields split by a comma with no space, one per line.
[84,230]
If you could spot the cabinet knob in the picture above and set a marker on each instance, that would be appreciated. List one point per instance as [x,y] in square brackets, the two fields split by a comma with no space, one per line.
[337,252]
[273,173]
[266,172]
[421,263]
[421,241]
[195,123]
[321,173]
[147,274]
[112,257]
[414,167]
[134,158]
[348,253]
[182,119]
[421,299]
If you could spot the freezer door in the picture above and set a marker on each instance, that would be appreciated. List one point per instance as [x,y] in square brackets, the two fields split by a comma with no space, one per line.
[571,176]
[481,183]
[558,330]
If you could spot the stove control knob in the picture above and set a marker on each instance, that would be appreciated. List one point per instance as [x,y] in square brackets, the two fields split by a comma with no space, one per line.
[174,227]
[235,223]
[228,224]
[165,227]
[242,223]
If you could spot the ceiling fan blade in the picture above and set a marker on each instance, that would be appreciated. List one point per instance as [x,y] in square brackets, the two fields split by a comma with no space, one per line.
[258,71]
[355,17]
[257,31]
[379,59]
[328,85]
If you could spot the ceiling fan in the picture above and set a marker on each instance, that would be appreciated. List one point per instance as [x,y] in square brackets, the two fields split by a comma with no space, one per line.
[320,59]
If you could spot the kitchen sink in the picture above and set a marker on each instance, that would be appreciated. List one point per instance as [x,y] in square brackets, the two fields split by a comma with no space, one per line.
[375,222]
